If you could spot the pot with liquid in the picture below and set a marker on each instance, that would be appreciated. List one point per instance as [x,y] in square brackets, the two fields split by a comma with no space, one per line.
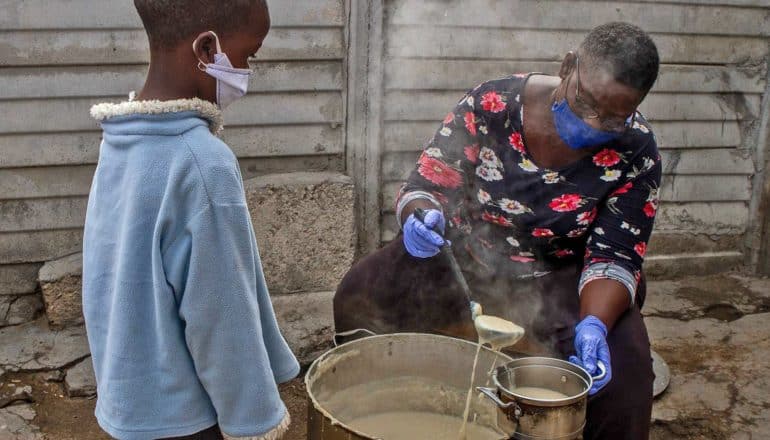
[402,387]
[540,398]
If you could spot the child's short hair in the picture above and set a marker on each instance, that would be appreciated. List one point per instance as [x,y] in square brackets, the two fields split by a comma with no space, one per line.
[170,22]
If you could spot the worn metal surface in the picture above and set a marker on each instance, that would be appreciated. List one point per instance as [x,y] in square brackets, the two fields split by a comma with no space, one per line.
[445,362]
[662,374]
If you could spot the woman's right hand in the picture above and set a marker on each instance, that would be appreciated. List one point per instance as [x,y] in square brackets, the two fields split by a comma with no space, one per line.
[420,238]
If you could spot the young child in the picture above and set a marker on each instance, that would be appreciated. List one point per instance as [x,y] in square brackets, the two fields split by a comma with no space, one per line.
[183,335]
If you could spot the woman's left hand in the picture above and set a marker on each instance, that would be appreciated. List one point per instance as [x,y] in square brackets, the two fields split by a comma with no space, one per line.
[591,346]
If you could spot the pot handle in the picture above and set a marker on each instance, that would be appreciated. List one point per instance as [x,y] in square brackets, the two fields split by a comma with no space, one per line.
[491,394]
[602,371]
[336,342]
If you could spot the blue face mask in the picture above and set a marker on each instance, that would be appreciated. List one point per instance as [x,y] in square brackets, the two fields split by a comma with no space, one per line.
[574,131]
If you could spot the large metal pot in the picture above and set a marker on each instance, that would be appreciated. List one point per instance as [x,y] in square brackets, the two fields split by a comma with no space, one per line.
[421,372]
[524,417]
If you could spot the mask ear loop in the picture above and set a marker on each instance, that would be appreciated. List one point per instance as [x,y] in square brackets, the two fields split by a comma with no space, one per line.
[201,63]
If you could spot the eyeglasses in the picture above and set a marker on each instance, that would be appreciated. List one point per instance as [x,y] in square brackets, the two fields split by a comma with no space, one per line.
[587,111]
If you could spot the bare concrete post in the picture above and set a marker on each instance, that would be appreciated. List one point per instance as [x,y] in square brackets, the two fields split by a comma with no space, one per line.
[758,236]
[364,121]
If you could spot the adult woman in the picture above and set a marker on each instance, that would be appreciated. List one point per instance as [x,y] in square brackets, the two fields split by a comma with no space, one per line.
[547,188]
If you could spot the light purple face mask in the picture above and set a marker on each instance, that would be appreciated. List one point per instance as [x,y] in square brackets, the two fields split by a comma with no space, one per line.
[232,83]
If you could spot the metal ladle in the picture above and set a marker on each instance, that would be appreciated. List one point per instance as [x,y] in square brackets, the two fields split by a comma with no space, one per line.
[506,333]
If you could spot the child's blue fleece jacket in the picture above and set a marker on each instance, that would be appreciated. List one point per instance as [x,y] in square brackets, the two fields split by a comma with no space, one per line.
[179,320]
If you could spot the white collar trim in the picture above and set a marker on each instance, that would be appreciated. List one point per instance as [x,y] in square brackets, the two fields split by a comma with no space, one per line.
[207,110]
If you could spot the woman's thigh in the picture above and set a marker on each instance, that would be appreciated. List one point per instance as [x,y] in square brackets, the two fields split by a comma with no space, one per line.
[391,291]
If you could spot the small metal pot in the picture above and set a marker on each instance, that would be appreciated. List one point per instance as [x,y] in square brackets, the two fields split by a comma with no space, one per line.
[523,417]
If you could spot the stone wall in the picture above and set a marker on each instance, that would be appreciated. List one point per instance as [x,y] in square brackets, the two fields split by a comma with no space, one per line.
[305,231]
[18,301]
[60,284]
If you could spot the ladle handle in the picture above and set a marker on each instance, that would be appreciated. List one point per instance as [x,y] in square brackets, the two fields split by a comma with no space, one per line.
[602,371]
[446,249]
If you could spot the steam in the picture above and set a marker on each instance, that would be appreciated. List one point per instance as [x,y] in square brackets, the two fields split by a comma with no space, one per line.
[500,285]
[503,287]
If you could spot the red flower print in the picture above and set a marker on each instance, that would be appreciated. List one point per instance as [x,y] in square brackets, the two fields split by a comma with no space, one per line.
[492,102]
[586,218]
[561,253]
[438,172]
[470,123]
[449,118]
[496,219]
[623,189]
[542,232]
[577,232]
[472,152]
[606,158]
[566,203]
[517,142]
[520,259]
[650,209]
[641,248]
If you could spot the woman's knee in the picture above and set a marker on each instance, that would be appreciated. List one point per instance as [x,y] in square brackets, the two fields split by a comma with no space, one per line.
[375,288]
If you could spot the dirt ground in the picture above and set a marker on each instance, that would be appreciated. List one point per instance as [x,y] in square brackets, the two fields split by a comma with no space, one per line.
[713,331]
[63,418]
[295,398]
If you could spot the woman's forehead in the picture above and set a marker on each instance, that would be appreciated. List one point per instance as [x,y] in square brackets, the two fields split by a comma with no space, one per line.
[598,84]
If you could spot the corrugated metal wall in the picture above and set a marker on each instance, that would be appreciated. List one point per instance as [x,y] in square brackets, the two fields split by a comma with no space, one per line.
[57,58]
[704,107]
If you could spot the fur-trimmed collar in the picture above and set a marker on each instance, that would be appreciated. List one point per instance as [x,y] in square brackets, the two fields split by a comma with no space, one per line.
[207,110]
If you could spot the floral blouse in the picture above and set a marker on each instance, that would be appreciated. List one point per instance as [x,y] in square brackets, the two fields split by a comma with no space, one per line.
[501,206]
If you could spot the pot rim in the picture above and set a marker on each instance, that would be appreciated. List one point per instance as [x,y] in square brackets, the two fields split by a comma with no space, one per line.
[329,356]
[538,361]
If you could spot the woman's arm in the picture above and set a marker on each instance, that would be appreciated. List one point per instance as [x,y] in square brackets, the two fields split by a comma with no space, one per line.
[439,177]
[604,298]
[618,241]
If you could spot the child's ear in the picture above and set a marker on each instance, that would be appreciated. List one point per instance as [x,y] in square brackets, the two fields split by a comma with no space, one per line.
[205,46]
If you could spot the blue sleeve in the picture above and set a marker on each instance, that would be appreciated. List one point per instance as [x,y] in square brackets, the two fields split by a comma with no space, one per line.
[230,328]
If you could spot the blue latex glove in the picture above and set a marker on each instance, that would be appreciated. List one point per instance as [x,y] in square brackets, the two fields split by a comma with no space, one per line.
[591,345]
[419,238]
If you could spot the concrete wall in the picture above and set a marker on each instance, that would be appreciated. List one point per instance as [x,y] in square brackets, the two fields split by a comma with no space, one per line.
[705,107]
[57,58]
